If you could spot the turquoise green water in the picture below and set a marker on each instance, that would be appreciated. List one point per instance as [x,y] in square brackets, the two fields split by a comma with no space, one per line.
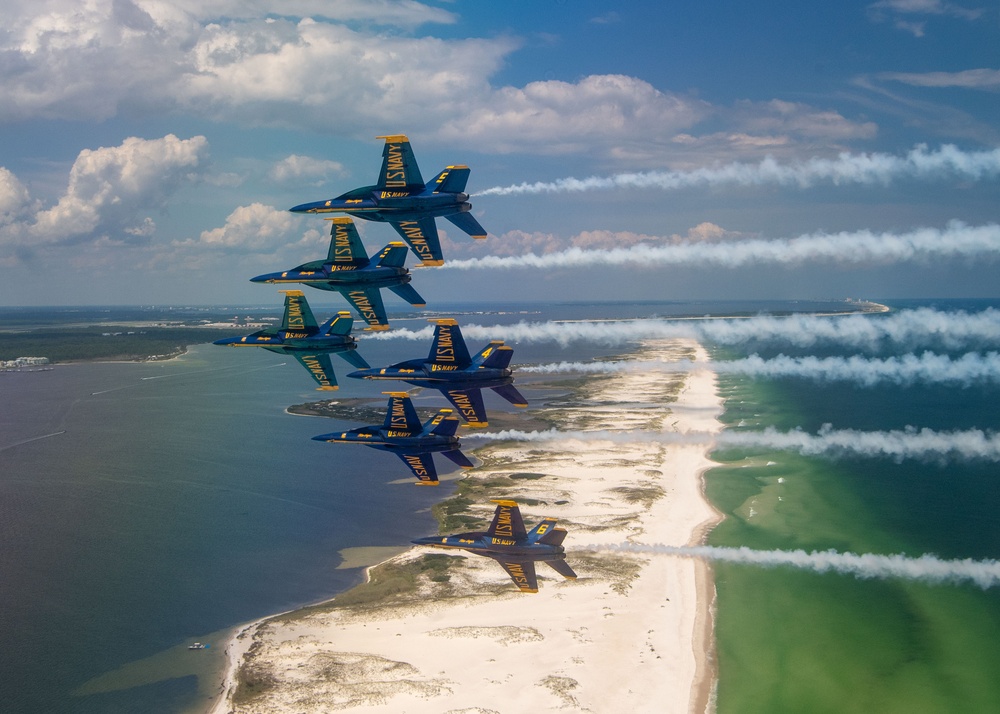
[794,641]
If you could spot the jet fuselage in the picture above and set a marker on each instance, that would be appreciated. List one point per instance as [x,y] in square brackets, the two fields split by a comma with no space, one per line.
[422,373]
[393,440]
[287,341]
[481,543]
[373,204]
[328,276]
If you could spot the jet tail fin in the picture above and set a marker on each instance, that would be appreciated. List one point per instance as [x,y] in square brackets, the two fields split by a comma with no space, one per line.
[340,324]
[451,180]
[562,567]
[494,355]
[465,222]
[553,535]
[393,255]
[444,423]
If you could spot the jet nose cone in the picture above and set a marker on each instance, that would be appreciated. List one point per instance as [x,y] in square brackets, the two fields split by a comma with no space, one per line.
[266,278]
[322,437]
[311,207]
[361,374]
[425,541]
[226,341]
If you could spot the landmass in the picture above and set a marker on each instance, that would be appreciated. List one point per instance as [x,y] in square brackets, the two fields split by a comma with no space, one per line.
[442,632]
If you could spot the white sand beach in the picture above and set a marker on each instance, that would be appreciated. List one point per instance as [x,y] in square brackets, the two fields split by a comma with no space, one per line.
[632,633]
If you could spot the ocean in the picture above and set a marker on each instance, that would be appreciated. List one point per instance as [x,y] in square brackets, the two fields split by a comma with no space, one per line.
[795,641]
[147,506]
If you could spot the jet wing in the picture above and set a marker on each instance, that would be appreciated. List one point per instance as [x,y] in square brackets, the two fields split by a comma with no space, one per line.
[346,247]
[298,317]
[468,403]
[522,572]
[368,303]
[400,414]
[422,237]
[507,522]
[318,365]
[422,466]
[448,347]
[399,166]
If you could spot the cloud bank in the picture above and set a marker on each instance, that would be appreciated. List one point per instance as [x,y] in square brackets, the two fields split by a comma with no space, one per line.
[110,193]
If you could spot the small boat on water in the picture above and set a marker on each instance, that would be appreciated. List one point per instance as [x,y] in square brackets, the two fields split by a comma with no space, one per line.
[198,646]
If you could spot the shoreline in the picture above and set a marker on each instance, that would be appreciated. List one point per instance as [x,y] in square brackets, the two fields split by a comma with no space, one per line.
[469,612]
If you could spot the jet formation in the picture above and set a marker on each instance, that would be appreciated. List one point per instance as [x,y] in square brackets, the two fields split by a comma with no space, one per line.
[402,434]
[308,342]
[510,544]
[450,369]
[402,199]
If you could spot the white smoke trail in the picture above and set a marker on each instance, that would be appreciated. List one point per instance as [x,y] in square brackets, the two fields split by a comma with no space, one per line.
[928,368]
[908,443]
[926,568]
[861,247]
[875,168]
[953,330]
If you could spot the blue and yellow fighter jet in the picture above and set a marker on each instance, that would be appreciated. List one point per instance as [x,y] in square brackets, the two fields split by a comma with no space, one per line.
[402,434]
[348,271]
[508,543]
[458,376]
[310,343]
[404,201]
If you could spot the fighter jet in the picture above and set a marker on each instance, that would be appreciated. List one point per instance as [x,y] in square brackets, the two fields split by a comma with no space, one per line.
[507,542]
[404,201]
[402,434]
[459,377]
[348,271]
[302,338]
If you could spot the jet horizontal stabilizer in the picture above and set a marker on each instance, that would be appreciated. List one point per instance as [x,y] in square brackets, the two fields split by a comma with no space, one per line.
[465,222]
[458,458]
[408,293]
[510,393]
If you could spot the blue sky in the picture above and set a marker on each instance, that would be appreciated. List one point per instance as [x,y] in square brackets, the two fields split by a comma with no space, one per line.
[686,150]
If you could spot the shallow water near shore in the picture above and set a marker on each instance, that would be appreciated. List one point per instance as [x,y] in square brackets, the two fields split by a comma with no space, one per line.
[793,641]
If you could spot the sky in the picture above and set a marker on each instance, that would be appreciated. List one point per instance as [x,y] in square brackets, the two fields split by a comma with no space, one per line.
[619,151]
